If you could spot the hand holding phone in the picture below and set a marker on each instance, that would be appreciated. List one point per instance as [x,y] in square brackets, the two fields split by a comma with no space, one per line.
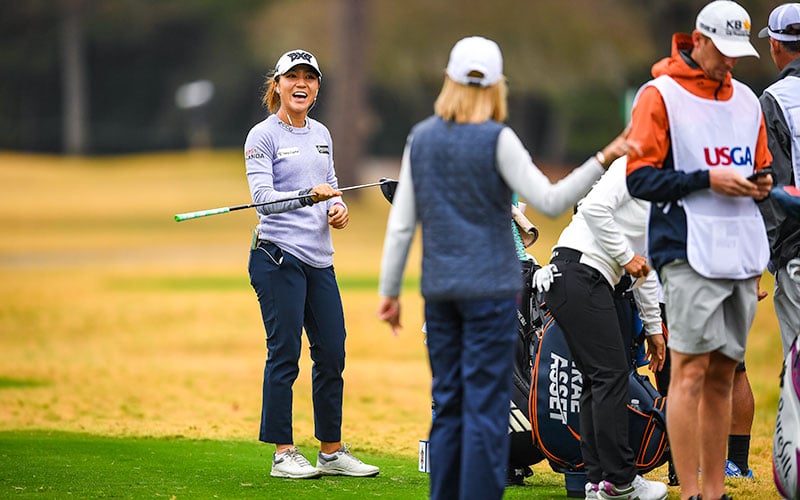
[761,173]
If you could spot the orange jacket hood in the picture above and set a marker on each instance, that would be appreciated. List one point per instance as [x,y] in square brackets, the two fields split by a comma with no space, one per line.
[691,78]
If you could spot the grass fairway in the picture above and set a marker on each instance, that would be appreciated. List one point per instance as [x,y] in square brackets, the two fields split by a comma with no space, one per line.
[133,350]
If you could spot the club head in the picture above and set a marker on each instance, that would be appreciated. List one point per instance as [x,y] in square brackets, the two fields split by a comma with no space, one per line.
[788,197]
[388,187]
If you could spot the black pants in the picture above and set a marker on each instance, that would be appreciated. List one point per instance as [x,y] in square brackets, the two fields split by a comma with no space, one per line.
[582,302]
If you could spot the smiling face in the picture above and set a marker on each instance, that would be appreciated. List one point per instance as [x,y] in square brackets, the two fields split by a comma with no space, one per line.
[298,89]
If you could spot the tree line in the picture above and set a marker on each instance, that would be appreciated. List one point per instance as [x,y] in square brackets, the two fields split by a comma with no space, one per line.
[101,76]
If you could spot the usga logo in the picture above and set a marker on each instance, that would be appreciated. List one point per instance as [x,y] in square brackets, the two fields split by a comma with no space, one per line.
[724,156]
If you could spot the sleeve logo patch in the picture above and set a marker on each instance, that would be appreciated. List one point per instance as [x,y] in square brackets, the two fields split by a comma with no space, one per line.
[323,149]
[253,154]
[287,152]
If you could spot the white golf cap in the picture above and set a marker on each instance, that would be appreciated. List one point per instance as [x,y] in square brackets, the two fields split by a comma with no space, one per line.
[727,24]
[784,23]
[295,58]
[475,61]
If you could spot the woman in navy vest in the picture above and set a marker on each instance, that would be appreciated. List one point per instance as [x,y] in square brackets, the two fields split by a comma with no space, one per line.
[458,171]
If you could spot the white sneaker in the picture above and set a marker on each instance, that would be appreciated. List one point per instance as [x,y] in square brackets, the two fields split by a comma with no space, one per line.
[343,463]
[639,489]
[293,465]
[591,491]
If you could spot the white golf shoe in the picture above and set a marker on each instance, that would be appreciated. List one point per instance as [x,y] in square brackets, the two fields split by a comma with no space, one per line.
[343,463]
[639,489]
[293,465]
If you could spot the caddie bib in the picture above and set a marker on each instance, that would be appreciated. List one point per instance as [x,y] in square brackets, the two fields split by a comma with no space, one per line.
[726,236]
[786,92]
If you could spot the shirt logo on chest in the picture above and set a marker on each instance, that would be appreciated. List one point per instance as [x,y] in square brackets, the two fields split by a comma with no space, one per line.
[323,149]
[287,152]
[725,156]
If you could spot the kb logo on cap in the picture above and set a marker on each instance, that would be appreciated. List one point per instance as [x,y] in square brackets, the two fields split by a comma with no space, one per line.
[738,27]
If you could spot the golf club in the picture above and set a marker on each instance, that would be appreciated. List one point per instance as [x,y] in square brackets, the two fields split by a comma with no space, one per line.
[387,185]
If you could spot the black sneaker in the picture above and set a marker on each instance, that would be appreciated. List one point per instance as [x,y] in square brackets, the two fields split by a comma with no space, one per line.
[515,476]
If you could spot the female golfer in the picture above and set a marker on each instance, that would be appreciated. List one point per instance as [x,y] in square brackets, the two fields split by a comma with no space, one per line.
[456,179]
[291,267]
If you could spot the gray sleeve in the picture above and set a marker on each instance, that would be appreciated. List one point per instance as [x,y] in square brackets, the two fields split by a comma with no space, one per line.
[515,165]
[779,139]
[779,143]
[646,297]
[400,230]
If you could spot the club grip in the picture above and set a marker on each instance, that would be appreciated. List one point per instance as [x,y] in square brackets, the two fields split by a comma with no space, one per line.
[201,213]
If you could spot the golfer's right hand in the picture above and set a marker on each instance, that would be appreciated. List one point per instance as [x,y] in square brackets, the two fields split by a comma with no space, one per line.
[389,311]
[323,192]
[543,277]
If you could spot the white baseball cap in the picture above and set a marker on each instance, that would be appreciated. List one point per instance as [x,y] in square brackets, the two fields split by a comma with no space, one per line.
[727,24]
[472,55]
[784,23]
[295,58]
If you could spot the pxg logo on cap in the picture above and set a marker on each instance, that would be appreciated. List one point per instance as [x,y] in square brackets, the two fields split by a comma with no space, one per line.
[727,24]
[295,58]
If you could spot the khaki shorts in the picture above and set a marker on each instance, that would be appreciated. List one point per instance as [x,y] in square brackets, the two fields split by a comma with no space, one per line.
[707,315]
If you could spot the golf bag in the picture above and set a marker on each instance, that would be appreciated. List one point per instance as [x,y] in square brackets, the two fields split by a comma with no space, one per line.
[786,441]
[523,452]
[554,403]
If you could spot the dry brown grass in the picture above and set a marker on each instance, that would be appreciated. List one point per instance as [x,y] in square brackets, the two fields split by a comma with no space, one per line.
[116,320]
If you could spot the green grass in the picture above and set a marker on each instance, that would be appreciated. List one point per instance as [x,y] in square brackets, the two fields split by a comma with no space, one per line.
[239,282]
[39,464]
[133,346]
[14,383]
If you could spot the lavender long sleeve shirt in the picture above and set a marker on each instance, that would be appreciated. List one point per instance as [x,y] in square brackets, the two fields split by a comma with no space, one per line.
[282,161]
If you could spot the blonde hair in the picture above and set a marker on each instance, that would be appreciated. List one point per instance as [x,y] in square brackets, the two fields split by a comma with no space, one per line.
[271,99]
[470,104]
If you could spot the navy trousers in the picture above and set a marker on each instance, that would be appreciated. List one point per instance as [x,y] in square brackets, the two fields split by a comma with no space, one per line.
[293,296]
[471,347]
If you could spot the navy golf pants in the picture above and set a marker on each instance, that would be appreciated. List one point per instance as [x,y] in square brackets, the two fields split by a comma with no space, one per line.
[471,347]
[293,296]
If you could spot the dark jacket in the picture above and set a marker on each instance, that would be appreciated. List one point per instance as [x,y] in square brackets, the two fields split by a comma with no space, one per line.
[783,232]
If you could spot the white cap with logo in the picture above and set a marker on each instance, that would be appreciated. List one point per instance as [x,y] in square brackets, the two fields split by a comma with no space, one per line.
[295,58]
[727,24]
[475,61]
[784,23]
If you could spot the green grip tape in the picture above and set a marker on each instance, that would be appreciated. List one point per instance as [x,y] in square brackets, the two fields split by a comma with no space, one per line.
[201,213]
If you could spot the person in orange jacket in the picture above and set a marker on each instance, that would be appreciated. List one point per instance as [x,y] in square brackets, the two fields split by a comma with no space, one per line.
[698,134]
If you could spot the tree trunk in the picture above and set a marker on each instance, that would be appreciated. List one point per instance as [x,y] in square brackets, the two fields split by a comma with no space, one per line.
[349,118]
[74,87]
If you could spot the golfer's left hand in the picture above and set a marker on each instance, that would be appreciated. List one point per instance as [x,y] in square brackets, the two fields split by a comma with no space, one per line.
[338,216]
[637,266]
[322,192]
[656,352]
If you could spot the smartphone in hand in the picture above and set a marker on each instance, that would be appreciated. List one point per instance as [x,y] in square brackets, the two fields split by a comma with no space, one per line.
[761,173]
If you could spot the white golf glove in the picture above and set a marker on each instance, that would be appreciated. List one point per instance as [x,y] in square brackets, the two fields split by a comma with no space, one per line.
[543,277]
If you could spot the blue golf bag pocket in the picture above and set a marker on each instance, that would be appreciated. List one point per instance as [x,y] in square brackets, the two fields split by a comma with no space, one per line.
[648,423]
[554,407]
